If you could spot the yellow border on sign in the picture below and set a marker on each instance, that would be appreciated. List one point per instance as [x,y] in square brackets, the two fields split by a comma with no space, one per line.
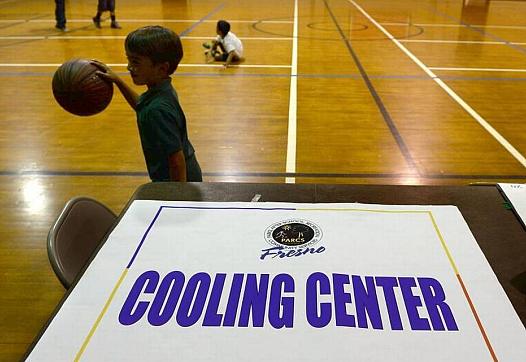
[449,256]
[99,318]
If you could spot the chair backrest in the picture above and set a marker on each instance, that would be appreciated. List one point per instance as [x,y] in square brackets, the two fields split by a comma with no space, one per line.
[75,235]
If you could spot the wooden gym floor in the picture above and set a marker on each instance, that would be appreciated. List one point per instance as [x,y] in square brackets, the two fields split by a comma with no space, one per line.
[333,91]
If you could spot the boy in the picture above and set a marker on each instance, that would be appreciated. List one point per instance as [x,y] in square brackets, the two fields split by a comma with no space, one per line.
[153,54]
[226,47]
[106,5]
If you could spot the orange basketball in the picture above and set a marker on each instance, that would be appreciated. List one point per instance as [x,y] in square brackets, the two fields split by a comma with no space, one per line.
[79,90]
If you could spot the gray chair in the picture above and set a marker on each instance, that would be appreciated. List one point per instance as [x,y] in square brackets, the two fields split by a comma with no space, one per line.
[78,230]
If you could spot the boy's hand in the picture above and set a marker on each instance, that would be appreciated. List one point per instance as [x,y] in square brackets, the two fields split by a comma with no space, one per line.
[105,72]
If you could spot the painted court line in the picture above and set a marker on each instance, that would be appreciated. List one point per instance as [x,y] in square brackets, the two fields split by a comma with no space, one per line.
[88,20]
[253,21]
[493,132]
[293,98]
[110,37]
[459,41]
[125,65]
[455,25]
[204,18]
[404,150]
[47,73]
[479,69]
[240,37]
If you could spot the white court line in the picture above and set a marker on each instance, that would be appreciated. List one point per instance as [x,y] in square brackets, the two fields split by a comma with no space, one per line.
[492,131]
[293,98]
[146,21]
[240,37]
[253,21]
[15,37]
[430,25]
[457,25]
[109,37]
[244,21]
[480,69]
[12,65]
[459,42]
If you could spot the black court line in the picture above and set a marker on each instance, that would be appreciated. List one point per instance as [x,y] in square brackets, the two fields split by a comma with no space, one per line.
[73,173]
[387,117]
[193,26]
[263,174]
[299,75]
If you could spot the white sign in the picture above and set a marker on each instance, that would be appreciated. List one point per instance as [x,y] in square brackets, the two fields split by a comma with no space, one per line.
[290,282]
[516,194]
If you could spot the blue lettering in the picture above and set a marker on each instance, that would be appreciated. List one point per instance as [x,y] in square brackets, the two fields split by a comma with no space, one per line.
[127,315]
[286,319]
[324,317]
[435,300]
[186,302]
[189,313]
[388,284]
[233,300]
[277,251]
[254,300]
[212,318]
[366,302]
[173,282]
[340,300]
[412,302]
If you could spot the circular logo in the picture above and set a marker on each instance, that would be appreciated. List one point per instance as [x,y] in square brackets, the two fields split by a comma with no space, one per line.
[293,233]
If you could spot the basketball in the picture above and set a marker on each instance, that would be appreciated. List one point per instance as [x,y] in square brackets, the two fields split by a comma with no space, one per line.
[79,90]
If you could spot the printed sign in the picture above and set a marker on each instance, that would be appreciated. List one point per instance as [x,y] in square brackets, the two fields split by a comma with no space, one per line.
[281,281]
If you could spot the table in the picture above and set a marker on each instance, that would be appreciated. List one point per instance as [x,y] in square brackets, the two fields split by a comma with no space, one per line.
[496,228]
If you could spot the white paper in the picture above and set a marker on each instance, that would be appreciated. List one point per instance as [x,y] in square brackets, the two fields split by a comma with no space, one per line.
[516,194]
[373,243]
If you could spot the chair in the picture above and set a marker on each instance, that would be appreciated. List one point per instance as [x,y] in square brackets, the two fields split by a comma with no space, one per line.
[75,235]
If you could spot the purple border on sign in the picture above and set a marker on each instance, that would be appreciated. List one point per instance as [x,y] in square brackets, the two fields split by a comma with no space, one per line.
[193,207]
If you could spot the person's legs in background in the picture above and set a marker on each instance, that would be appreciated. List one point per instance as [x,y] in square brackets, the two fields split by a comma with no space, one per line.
[101,6]
[106,5]
[111,8]
[60,14]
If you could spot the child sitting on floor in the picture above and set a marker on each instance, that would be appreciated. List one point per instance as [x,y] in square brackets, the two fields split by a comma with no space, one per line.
[226,47]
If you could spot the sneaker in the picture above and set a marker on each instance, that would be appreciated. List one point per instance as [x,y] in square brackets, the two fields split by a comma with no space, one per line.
[115,25]
[96,21]
[207,45]
[61,27]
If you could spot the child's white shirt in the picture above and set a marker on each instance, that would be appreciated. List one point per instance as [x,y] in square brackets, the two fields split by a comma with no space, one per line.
[231,42]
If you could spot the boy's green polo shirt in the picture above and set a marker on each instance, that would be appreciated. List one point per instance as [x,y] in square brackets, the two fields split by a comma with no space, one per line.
[162,129]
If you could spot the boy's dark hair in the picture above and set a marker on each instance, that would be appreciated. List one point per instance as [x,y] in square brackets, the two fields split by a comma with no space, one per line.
[157,43]
[223,26]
